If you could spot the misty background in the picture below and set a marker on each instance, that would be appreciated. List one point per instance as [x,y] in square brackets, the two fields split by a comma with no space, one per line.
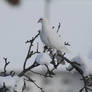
[18,24]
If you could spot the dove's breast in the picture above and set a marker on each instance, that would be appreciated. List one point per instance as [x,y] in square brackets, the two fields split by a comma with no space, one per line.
[44,38]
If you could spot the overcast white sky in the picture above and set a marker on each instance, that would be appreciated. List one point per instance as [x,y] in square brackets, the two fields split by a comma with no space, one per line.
[19,24]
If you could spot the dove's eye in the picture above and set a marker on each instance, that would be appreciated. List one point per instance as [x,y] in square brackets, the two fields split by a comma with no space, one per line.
[41,19]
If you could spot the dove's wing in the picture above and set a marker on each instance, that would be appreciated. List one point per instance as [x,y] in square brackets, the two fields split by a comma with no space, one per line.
[44,38]
[51,38]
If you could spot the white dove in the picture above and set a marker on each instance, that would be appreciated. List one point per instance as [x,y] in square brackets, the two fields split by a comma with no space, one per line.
[50,38]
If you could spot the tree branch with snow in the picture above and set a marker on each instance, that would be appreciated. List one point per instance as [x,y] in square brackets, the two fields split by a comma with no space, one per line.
[53,53]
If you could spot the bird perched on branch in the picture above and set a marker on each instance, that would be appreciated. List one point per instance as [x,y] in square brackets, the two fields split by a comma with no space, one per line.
[50,38]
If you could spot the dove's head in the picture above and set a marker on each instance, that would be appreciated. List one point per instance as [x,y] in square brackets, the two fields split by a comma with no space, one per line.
[41,20]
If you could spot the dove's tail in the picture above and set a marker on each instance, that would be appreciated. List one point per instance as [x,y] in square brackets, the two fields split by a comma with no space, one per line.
[64,50]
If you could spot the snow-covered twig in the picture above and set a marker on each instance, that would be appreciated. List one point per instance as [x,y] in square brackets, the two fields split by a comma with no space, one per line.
[80,72]
[5,72]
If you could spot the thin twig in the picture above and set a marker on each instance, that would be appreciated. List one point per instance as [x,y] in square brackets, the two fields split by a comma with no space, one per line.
[44,75]
[26,70]
[6,64]
[29,50]
[67,43]
[79,71]
[58,27]
[31,80]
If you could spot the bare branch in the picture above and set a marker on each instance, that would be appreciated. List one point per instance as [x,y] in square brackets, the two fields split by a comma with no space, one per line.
[44,75]
[31,80]
[30,53]
[80,72]
[58,27]
[66,43]
[6,64]
[4,73]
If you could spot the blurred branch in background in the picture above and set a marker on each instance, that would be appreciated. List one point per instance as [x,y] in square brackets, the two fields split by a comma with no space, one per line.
[13,2]
[47,9]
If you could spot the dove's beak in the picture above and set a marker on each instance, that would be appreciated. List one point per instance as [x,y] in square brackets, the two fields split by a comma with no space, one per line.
[38,21]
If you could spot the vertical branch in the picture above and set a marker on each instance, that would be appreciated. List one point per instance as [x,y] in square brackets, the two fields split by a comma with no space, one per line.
[24,66]
[6,64]
[30,53]
[58,27]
